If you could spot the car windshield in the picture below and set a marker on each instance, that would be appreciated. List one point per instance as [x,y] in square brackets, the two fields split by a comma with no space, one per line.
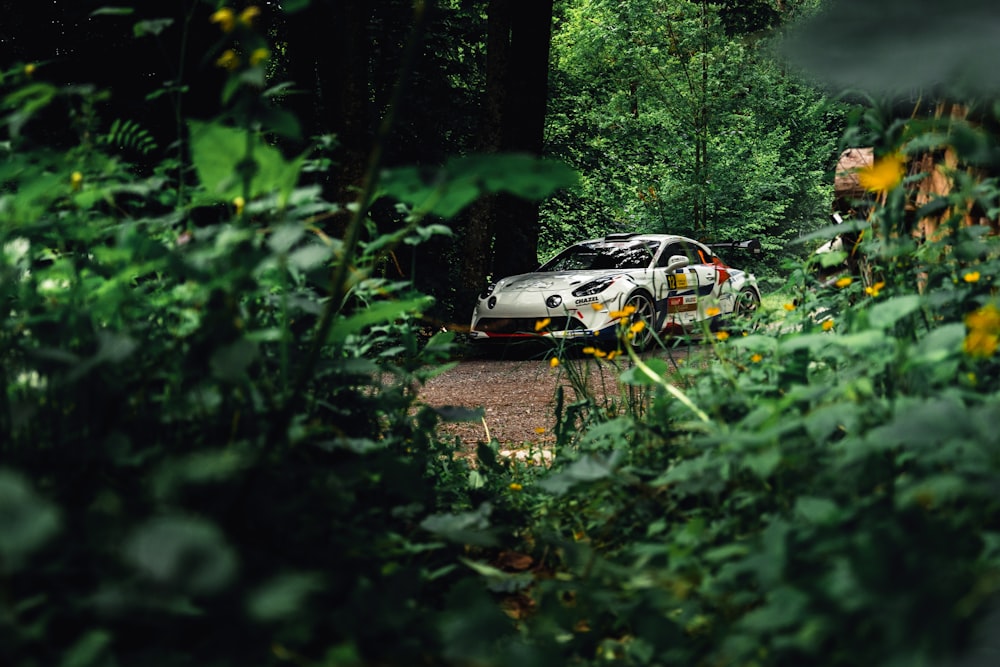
[603,256]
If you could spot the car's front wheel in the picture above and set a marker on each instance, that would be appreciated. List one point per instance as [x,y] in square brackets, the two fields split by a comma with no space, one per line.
[643,311]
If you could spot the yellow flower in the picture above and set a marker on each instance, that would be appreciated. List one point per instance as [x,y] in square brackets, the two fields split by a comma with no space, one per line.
[984,331]
[228,60]
[756,358]
[600,354]
[875,289]
[827,325]
[553,362]
[885,174]
[542,323]
[624,312]
[613,353]
[589,350]
[971,277]
[248,15]
[597,306]
[225,18]
[76,180]
[637,326]
[844,282]
[258,56]
[29,69]
[789,307]
[980,343]
[514,486]
[712,311]
[539,430]
[239,203]
[722,335]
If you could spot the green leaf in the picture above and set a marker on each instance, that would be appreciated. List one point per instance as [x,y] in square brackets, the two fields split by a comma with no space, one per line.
[784,608]
[27,521]
[454,413]
[637,376]
[220,154]
[113,11]
[886,313]
[940,344]
[293,6]
[475,480]
[826,420]
[957,47]
[446,191]
[88,651]
[379,313]
[816,510]
[587,469]
[755,342]
[229,363]
[934,490]
[185,552]
[834,258]
[283,596]
[499,581]
[310,257]
[151,27]
[464,527]
[487,458]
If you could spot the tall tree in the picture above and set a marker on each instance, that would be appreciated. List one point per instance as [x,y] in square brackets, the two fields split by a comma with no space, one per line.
[505,228]
[680,123]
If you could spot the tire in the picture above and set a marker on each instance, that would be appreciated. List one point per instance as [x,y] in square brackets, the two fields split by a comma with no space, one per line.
[645,311]
[746,306]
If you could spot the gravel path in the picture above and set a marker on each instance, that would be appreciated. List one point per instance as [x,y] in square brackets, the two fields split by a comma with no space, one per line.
[516,394]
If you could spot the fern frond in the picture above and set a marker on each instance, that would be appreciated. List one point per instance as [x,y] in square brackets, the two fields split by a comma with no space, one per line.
[128,136]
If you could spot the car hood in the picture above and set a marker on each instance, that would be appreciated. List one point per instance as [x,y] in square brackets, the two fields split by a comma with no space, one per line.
[551,281]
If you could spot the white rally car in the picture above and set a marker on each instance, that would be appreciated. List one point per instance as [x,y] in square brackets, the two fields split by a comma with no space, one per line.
[672,283]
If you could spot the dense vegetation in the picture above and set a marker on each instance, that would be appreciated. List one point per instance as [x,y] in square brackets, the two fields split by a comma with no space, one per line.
[211,451]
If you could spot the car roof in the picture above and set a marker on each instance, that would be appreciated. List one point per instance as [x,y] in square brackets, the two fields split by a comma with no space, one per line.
[634,236]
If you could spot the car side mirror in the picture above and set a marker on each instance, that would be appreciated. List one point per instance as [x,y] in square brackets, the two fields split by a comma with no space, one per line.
[678,262]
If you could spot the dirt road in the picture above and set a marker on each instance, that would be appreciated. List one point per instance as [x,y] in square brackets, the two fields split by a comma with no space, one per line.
[516,394]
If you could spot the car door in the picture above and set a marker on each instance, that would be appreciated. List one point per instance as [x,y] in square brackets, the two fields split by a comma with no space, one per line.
[683,294]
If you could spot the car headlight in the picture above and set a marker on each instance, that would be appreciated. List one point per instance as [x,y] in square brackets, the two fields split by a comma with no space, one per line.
[488,291]
[554,301]
[594,286]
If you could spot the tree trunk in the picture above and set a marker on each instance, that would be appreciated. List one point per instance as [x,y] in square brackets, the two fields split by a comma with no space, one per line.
[516,243]
[481,220]
[333,74]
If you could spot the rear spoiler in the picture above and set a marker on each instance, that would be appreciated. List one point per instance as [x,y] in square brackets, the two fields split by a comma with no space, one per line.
[753,246]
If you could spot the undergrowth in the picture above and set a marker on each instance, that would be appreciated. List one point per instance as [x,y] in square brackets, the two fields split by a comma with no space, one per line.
[208,454]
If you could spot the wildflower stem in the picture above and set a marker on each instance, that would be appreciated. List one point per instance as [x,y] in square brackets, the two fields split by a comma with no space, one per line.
[662,381]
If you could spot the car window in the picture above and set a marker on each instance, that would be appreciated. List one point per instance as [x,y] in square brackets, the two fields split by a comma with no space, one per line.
[693,251]
[603,256]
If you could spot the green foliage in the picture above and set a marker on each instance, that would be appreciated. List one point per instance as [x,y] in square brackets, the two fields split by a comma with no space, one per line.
[817,492]
[678,126]
[212,452]
[210,447]
[128,135]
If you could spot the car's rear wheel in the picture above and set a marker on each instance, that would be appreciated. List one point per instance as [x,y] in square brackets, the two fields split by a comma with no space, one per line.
[644,312]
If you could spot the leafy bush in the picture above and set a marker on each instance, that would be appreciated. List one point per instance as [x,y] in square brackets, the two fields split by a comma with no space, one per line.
[821,492]
[210,450]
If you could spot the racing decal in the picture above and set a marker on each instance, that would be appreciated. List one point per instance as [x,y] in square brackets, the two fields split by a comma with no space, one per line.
[677,281]
[680,304]
[589,299]
[721,269]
